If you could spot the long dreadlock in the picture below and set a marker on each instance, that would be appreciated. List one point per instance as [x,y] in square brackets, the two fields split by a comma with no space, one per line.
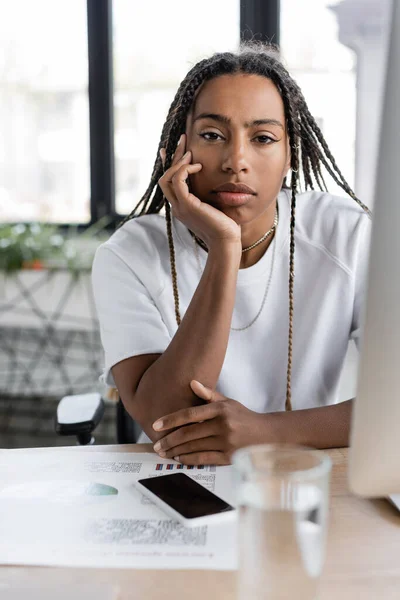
[308,148]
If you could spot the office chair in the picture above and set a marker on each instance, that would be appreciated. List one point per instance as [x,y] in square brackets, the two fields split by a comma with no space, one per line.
[79,415]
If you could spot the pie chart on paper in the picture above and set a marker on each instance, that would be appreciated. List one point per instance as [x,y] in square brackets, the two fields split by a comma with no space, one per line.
[64,491]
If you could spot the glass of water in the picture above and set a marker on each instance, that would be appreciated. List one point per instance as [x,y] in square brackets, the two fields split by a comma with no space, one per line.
[283,495]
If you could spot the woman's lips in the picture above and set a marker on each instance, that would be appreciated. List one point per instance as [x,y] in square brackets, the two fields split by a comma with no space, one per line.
[233,198]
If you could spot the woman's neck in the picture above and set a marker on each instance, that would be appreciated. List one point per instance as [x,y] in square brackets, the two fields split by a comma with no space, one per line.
[253,232]
[252,257]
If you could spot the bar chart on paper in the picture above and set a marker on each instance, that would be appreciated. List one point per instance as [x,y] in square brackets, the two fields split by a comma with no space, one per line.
[179,467]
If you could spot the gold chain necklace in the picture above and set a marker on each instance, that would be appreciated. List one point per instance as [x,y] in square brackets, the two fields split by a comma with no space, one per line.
[260,241]
[266,235]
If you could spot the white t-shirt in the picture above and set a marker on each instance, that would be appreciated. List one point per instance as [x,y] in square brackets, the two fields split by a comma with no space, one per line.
[135,303]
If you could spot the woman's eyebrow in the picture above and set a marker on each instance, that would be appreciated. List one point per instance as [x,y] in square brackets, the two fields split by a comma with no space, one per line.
[227,121]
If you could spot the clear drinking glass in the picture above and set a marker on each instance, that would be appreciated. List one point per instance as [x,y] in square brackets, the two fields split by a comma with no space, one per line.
[283,495]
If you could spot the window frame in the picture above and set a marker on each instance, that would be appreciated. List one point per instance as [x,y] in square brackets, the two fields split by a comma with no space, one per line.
[258,20]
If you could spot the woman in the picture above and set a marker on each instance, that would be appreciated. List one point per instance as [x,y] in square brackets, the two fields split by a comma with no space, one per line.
[211,335]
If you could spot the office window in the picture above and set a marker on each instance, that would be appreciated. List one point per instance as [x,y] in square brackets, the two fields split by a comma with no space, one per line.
[155,44]
[44,142]
[325,70]
[336,50]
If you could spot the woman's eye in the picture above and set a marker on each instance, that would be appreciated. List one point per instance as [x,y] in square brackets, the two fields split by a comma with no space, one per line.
[210,135]
[265,139]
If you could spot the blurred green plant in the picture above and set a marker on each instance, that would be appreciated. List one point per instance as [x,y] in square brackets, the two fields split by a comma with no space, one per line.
[42,246]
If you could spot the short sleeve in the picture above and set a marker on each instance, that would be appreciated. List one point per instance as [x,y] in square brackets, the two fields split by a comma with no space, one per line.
[130,323]
[360,278]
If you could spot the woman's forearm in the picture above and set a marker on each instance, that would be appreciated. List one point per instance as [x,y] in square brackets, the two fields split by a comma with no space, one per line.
[322,427]
[197,351]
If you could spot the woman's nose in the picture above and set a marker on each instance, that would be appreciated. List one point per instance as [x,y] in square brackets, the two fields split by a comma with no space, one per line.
[235,159]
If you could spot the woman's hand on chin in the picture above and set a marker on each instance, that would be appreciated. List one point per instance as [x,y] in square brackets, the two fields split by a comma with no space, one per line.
[208,223]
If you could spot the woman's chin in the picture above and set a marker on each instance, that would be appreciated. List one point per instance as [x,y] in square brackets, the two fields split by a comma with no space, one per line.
[239,214]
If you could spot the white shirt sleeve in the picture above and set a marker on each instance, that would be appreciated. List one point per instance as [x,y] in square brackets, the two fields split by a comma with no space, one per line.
[130,323]
[360,279]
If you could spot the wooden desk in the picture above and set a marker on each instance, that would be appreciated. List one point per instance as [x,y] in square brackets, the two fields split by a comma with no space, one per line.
[363,554]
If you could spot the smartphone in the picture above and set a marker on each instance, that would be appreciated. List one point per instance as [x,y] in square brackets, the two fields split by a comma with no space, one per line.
[187,501]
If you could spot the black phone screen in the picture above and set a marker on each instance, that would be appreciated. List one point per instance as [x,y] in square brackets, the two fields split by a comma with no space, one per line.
[185,495]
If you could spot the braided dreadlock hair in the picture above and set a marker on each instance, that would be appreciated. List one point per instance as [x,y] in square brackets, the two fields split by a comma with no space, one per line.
[309,151]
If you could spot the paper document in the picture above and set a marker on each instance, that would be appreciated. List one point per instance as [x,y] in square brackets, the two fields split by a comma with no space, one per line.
[75,591]
[81,509]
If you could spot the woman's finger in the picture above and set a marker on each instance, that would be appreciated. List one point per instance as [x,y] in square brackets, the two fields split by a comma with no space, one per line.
[177,191]
[185,416]
[184,162]
[162,156]
[208,444]
[179,179]
[186,434]
[165,182]
[179,152]
[204,458]
[206,393]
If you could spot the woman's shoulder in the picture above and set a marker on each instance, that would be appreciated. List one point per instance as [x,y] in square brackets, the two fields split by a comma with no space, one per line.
[319,208]
[137,248]
[147,229]
[143,237]
[336,224]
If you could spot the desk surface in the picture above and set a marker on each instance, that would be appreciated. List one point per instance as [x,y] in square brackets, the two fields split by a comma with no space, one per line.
[362,555]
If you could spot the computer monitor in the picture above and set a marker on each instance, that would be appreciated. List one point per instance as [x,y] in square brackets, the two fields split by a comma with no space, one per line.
[374,461]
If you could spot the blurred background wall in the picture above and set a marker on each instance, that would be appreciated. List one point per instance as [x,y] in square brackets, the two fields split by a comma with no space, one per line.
[84,90]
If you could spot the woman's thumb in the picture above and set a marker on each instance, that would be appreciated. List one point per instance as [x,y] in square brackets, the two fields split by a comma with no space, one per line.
[205,393]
